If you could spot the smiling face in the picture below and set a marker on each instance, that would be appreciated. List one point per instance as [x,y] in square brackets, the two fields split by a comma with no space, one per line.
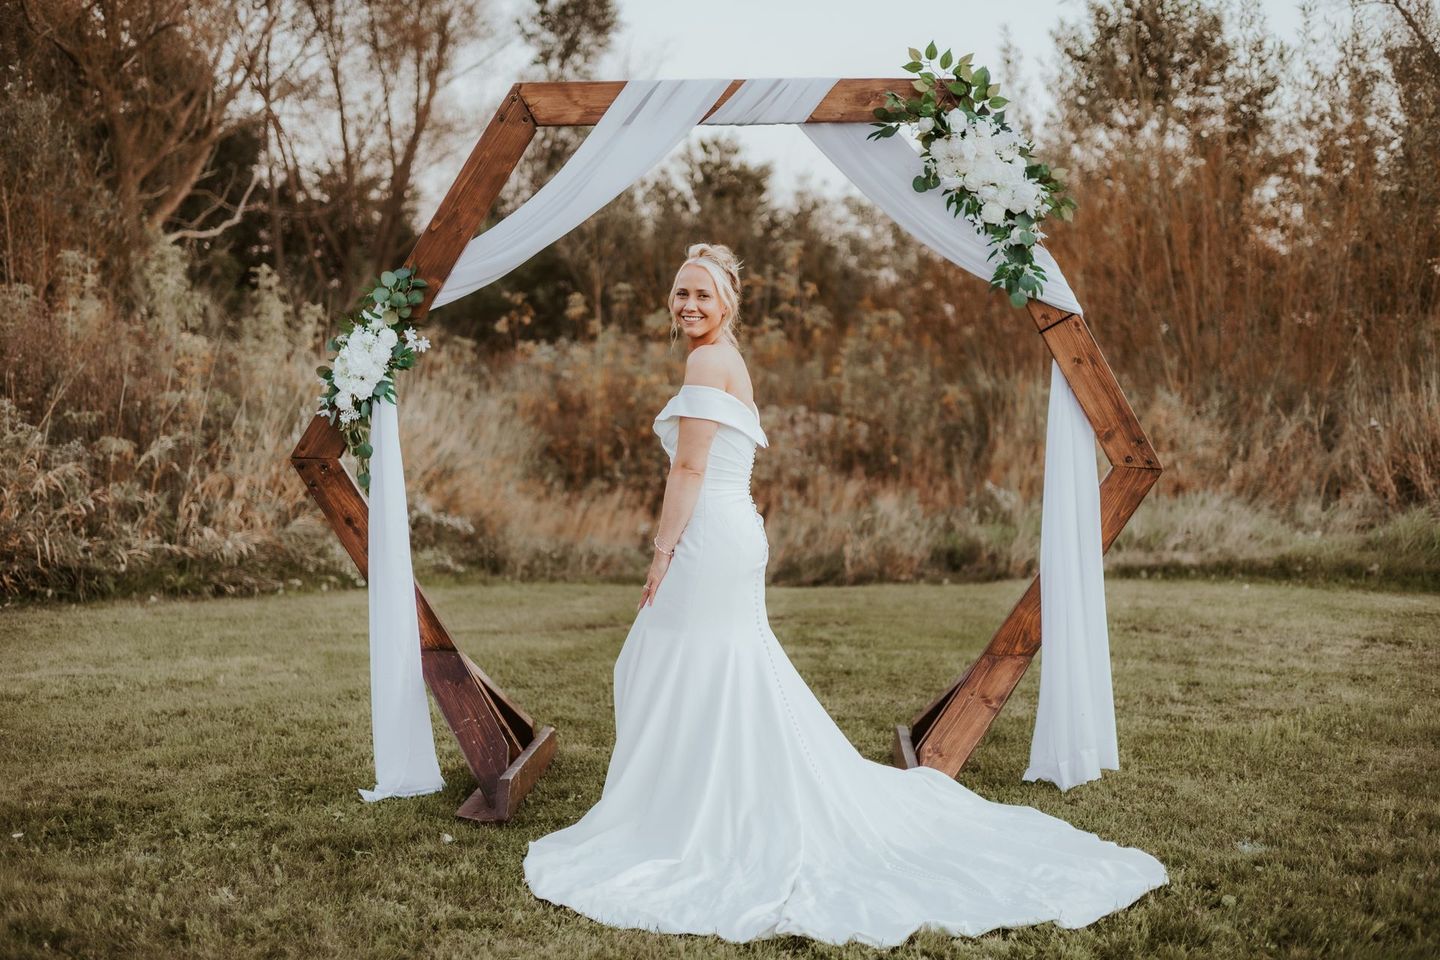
[695,306]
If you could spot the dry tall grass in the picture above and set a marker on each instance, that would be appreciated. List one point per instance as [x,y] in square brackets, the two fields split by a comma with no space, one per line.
[1258,253]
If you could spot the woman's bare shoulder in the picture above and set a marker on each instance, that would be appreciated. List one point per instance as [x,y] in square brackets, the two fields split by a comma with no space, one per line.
[720,365]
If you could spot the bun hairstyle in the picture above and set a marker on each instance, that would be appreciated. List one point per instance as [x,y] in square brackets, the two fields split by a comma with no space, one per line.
[724,268]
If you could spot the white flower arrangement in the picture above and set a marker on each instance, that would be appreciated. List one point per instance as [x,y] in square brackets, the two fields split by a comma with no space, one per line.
[985,168]
[376,343]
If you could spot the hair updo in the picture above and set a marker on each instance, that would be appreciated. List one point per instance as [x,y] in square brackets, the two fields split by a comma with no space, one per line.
[724,268]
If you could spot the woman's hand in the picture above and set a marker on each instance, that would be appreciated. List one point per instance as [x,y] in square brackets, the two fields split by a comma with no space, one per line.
[658,567]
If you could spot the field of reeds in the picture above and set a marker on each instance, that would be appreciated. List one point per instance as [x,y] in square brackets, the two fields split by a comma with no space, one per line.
[1257,247]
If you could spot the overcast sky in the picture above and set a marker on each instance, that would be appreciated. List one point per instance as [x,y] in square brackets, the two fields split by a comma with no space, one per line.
[798,38]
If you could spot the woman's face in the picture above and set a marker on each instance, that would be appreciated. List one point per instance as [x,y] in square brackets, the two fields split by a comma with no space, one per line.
[696,306]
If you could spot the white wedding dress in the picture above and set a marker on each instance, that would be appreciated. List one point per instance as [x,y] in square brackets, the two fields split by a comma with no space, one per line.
[735,806]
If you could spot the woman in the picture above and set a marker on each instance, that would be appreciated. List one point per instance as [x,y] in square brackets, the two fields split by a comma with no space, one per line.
[733,805]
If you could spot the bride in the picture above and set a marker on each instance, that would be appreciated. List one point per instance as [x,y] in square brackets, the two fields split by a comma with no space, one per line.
[733,804]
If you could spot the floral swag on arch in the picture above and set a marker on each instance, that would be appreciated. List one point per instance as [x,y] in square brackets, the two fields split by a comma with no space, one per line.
[994,196]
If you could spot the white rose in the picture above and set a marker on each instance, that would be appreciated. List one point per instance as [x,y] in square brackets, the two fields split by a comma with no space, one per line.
[925,124]
[957,121]
[387,338]
[951,183]
[992,213]
[344,401]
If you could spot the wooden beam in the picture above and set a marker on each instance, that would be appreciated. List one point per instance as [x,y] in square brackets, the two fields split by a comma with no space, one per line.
[583,103]
[498,739]
[1116,427]
[471,197]
[947,731]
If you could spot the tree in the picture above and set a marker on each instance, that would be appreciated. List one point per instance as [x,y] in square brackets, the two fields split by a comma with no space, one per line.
[164,81]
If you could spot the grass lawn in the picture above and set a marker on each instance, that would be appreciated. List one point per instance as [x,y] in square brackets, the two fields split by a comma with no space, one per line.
[177,779]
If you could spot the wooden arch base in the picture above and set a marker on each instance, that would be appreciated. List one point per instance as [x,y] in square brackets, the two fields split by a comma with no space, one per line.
[504,749]
[946,732]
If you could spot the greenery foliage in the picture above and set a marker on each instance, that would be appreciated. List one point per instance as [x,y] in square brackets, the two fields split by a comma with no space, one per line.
[375,342]
[985,166]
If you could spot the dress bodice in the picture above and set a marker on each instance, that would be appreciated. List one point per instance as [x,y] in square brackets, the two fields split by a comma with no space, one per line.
[732,454]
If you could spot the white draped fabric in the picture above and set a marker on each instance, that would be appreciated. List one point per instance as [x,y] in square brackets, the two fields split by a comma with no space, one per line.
[642,125]
[1074,734]
[405,763]
[883,169]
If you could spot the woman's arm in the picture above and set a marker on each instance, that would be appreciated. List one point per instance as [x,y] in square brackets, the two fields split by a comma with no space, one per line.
[687,472]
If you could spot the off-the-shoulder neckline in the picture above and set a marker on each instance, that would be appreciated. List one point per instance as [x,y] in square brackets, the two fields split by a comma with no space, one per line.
[747,405]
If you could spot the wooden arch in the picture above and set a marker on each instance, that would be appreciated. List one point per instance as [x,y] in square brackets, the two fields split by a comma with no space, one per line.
[504,748]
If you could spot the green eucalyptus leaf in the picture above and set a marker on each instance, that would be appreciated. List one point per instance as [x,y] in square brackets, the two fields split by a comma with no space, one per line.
[921,184]
[913,66]
[945,60]
[365,450]
[379,294]
[966,73]
[1018,298]
[914,54]
[997,102]
[930,52]
[323,371]
[388,278]
[920,85]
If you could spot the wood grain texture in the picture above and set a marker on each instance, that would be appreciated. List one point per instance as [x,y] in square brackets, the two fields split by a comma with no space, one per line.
[952,738]
[321,441]
[902,751]
[470,716]
[512,786]
[490,728]
[583,103]
[468,201]
[515,717]
[1116,427]
[951,727]
[342,503]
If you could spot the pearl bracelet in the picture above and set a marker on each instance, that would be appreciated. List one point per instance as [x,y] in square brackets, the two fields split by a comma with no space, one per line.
[660,549]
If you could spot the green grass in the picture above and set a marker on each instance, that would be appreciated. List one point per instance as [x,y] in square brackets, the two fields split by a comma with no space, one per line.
[183,774]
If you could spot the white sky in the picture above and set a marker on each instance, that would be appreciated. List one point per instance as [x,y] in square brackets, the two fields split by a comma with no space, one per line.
[779,38]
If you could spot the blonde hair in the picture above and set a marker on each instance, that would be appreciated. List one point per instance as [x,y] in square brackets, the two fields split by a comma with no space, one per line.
[724,268]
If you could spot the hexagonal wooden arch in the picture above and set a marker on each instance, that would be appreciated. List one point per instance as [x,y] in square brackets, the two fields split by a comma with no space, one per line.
[502,745]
